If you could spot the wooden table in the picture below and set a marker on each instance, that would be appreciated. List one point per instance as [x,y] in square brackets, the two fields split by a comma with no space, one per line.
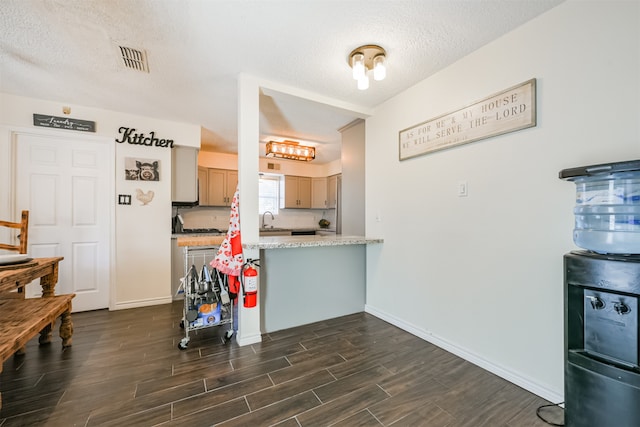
[22,318]
[45,268]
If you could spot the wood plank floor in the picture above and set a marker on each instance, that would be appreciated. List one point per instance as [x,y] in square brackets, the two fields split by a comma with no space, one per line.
[124,369]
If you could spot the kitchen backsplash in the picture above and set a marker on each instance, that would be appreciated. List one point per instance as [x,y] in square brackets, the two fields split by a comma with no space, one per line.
[209,217]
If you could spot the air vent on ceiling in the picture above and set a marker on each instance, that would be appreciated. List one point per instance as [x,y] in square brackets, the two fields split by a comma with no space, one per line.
[136,59]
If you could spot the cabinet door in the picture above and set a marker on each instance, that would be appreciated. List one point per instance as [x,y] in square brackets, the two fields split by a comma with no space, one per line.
[318,193]
[290,191]
[332,191]
[304,192]
[184,184]
[217,187]
[203,187]
[231,185]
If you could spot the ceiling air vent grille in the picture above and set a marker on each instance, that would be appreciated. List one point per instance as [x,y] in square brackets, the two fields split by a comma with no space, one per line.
[135,59]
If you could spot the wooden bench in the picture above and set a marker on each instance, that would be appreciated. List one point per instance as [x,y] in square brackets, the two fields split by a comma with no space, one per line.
[23,319]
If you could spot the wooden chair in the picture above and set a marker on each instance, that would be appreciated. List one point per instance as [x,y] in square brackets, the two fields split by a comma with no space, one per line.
[23,226]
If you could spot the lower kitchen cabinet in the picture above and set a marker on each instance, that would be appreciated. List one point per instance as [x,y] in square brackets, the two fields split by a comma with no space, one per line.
[177,268]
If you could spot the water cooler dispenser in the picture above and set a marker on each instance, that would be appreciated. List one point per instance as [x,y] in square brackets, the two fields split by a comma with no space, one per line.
[602,292]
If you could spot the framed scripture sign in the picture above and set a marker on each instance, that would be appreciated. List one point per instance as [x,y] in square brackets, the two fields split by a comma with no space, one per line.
[507,111]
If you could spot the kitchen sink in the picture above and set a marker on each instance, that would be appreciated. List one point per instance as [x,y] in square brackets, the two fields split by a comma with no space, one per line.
[275,232]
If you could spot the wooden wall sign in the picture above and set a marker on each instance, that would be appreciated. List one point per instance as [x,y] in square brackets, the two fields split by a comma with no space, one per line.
[507,111]
[63,123]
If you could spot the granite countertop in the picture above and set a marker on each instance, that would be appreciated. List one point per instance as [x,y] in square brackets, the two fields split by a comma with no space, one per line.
[283,242]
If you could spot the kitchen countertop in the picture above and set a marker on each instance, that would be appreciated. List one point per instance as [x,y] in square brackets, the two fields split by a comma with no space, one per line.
[284,242]
[175,235]
[224,232]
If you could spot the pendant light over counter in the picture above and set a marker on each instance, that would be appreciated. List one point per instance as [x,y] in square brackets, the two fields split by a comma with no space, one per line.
[290,150]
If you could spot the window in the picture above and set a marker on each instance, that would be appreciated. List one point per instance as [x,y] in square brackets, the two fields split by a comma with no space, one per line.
[268,193]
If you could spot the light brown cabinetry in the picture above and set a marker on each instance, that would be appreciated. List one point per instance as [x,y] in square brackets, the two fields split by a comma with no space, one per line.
[203,186]
[332,191]
[217,186]
[297,192]
[319,193]
[184,161]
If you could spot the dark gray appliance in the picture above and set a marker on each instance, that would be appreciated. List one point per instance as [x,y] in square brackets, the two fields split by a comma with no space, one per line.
[602,371]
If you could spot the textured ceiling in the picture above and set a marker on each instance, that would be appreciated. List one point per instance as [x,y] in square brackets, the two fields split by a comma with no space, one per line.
[66,51]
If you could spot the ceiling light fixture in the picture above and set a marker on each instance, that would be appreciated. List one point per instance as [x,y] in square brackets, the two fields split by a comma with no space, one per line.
[290,150]
[365,58]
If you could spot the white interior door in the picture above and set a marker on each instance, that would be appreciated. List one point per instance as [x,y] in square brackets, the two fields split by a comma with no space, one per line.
[64,183]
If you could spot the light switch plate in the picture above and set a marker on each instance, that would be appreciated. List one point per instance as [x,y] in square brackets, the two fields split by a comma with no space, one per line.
[463,189]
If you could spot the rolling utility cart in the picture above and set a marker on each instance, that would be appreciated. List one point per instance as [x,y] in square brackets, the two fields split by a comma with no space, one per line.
[206,294]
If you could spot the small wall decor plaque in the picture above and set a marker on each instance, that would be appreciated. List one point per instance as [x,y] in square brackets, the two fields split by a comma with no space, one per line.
[507,111]
[141,169]
[67,123]
[144,198]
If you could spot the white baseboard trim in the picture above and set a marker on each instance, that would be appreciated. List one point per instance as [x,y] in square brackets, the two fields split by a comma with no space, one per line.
[141,303]
[513,377]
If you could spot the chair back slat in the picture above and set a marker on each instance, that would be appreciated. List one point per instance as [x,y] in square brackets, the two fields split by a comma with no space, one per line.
[23,237]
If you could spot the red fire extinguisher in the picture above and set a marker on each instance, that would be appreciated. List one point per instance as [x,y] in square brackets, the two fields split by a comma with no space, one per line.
[249,278]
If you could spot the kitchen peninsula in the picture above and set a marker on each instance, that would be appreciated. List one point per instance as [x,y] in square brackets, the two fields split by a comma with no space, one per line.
[305,279]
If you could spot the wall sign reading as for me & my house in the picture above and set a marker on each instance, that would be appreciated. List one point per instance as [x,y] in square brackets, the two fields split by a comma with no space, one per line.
[129,135]
[510,110]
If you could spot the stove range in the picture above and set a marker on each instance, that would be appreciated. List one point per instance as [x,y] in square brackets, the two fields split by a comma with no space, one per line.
[201,230]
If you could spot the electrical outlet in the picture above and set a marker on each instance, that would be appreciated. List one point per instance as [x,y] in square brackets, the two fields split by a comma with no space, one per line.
[463,189]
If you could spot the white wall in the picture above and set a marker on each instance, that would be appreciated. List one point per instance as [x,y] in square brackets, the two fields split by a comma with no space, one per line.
[482,275]
[141,249]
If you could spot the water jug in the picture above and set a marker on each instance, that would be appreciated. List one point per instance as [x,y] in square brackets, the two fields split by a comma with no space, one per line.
[607,209]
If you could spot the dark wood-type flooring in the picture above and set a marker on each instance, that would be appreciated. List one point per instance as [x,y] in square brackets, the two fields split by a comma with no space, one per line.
[124,369]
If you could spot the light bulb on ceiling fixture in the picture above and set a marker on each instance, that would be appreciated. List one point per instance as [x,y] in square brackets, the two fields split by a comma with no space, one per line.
[363,83]
[357,63]
[379,69]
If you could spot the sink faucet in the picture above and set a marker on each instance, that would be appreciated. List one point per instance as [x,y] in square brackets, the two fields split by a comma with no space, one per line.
[272,218]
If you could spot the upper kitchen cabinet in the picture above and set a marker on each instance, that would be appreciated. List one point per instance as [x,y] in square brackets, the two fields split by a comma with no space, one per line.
[318,193]
[297,192]
[217,186]
[184,175]
[332,191]
[203,186]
